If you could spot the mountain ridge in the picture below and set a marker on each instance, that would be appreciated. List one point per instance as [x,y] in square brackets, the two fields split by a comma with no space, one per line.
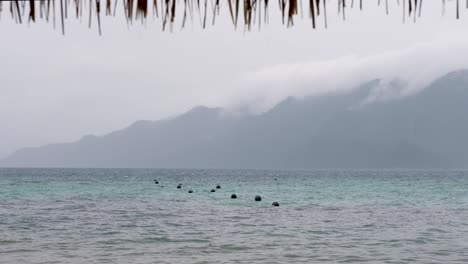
[424,130]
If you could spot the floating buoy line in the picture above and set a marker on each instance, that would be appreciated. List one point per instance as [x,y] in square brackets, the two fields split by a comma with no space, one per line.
[257,198]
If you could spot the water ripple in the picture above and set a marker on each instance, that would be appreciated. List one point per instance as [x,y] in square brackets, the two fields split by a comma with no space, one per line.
[329,216]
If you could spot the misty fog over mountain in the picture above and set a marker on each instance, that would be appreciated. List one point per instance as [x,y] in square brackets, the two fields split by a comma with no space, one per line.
[428,129]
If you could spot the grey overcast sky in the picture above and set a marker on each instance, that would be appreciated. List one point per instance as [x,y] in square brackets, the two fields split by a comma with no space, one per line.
[58,88]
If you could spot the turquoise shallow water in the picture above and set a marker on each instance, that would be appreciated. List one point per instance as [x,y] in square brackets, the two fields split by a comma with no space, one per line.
[334,216]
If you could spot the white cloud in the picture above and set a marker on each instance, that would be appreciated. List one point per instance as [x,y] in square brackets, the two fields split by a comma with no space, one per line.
[414,67]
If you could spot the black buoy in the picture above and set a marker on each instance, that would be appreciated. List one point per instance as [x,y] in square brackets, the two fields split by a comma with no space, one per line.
[190,191]
[258,198]
[275,204]
[233,196]
[156,182]
[218,186]
[179,186]
[213,190]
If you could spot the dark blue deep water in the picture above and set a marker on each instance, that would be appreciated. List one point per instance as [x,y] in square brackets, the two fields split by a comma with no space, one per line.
[325,216]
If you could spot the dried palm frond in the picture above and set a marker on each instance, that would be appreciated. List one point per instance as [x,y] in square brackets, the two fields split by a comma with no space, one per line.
[139,9]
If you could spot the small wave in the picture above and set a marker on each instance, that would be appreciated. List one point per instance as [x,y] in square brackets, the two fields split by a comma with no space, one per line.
[233,247]
[237,217]
[21,250]
[6,242]
[292,256]
[318,232]
[436,230]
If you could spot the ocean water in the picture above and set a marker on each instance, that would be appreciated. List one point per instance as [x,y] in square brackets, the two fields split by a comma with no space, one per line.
[325,216]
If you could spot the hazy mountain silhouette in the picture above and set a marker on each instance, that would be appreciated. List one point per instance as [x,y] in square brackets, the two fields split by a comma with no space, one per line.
[425,130]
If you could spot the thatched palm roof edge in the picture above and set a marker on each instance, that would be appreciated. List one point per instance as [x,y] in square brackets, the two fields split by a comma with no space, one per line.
[251,11]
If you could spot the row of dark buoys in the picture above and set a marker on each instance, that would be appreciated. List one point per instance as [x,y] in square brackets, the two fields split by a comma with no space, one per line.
[258,198]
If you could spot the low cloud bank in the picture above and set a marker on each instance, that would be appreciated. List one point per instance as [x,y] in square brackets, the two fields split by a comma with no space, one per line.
[401,73]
